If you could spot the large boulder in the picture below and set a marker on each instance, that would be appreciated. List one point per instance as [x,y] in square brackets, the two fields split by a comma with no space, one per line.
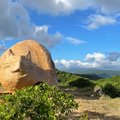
[26,63]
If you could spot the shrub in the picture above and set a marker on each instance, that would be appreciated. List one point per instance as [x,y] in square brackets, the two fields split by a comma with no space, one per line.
[81,83]
[65,78]
[41,102]
[111,91]
[84,117]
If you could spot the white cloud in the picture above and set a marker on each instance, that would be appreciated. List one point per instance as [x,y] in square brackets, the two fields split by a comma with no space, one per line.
[56,7]
[74,41]
[68,6]
[113,56]
[96,21]
[97,57]
[53,7]
[108,6]
[15,24]
[92,61]
[41,34]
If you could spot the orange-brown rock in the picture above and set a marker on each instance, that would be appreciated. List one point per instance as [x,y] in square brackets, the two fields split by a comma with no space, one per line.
[26,64]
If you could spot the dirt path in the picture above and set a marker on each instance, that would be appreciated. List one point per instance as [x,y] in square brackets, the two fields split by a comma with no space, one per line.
[108,109]
[97,108]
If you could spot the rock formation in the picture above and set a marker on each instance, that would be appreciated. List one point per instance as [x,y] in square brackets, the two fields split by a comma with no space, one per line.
[26,63]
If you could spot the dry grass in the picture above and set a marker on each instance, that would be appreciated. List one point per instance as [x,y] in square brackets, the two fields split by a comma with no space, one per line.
[103,108]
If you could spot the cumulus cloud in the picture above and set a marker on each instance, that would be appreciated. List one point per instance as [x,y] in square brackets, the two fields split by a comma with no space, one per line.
[54,6]
[92,61]
[74,41]
[41,33]
[15,21]
[68,6]
[15,24]
[96,21]
[97,57]
[108,6]
[113,56]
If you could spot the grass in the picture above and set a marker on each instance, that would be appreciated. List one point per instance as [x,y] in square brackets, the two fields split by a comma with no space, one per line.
[82,87]
[110,86]
[115,81]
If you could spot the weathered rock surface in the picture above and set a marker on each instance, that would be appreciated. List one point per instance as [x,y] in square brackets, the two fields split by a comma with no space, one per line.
[26,64]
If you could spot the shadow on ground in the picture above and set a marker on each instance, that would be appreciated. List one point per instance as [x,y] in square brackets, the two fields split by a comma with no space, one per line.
[84,93]
[90,116]
[81,88]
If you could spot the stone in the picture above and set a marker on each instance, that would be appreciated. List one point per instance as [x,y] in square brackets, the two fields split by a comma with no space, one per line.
[25,64]
[98,91]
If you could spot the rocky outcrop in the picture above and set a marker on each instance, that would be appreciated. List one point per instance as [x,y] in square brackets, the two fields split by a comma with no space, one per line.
[26,63]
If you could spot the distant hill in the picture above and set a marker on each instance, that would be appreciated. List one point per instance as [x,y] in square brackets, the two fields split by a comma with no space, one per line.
[102,73]
[99,73]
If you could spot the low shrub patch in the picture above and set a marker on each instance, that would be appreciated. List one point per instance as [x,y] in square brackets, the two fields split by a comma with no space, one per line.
[111,91]
[41,102]
[81,83]
[110,86]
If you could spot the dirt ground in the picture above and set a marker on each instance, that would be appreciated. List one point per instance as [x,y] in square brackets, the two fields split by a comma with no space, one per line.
[102,108]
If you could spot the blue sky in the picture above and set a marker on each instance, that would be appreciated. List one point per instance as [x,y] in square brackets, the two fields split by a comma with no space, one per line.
[80,34]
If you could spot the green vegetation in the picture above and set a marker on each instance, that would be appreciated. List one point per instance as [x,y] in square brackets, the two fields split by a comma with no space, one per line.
[73,80]
[36,103]
[81,83]
[65,77]
[110,86]
[84,117]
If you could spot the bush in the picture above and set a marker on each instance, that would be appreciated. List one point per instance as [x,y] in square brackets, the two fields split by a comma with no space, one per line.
[110,86]
[36,103]
[84,117]
[111,91]
[81,83]
[65,78]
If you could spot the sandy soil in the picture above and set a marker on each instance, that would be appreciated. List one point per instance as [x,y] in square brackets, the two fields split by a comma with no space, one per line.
[102,108]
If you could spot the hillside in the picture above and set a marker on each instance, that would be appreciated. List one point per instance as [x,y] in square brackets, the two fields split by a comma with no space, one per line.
[100,73]
[87,80]
[97,107]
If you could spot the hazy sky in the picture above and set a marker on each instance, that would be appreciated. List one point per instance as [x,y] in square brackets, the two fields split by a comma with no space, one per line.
[80,34]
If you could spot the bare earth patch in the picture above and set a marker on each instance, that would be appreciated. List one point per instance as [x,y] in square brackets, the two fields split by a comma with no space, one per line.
[102,108]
